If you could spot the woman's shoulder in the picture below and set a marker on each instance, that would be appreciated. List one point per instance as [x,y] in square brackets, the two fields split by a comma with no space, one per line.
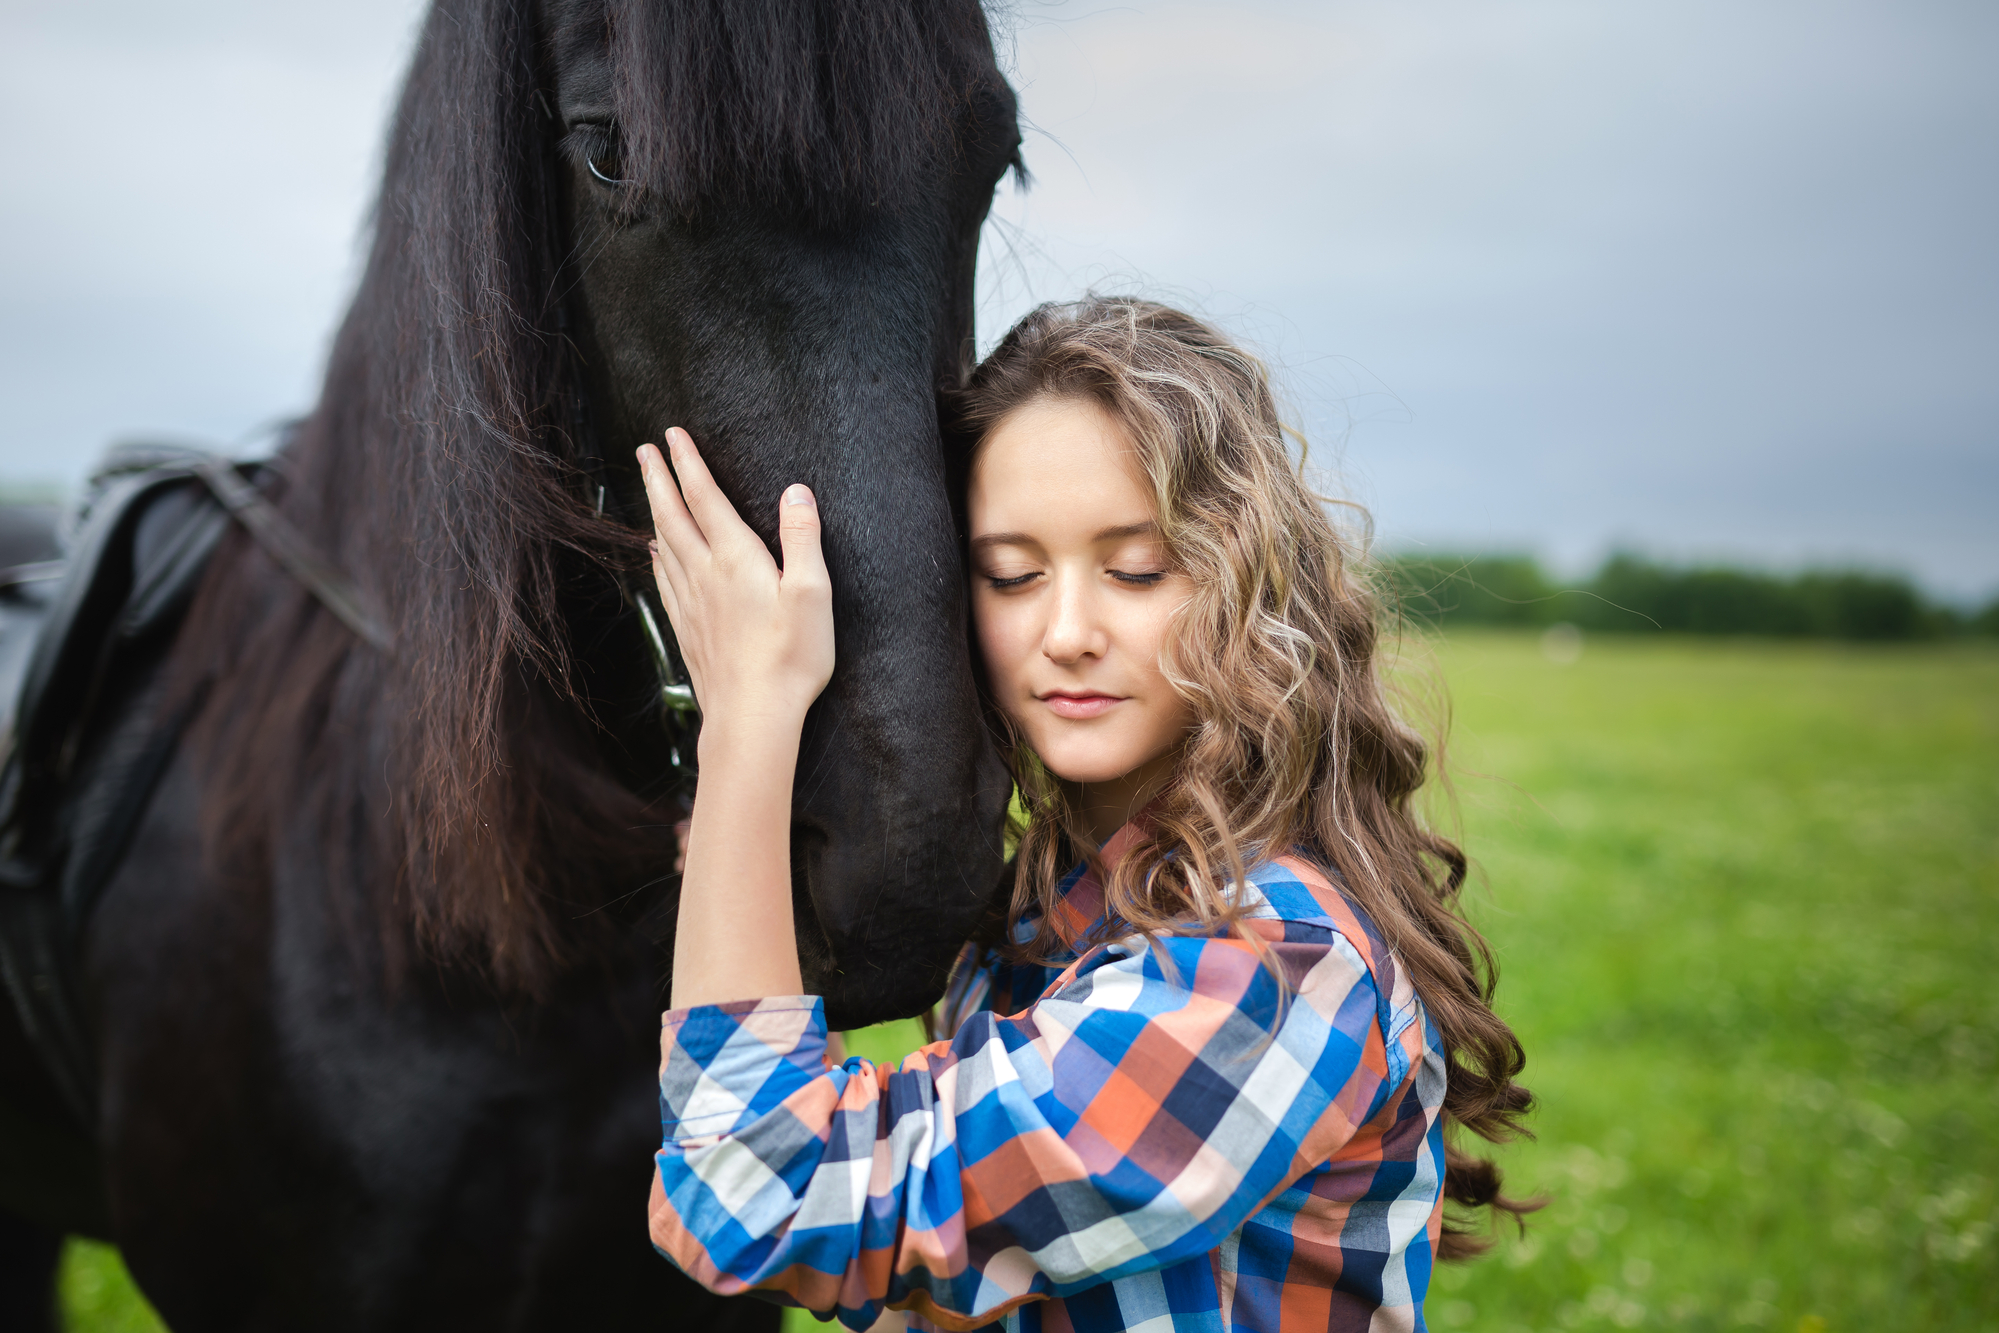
[1302,889]
[1303,903]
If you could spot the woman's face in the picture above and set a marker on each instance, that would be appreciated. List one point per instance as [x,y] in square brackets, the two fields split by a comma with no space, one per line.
[1072,594]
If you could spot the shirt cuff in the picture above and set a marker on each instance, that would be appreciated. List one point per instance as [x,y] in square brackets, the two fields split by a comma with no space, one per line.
[726,1065]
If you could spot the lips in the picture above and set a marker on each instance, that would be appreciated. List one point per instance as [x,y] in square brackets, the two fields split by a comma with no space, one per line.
[1080,707]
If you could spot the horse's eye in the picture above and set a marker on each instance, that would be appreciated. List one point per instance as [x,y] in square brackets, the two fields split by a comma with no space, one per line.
[595,144]
[607,165]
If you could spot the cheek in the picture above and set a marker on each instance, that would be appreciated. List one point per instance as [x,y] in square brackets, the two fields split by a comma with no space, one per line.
[999,635]
[1171,714]
[1171,722]
[1145,633]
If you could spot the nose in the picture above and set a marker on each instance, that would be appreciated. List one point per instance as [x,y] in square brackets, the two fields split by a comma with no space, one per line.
[1075,629]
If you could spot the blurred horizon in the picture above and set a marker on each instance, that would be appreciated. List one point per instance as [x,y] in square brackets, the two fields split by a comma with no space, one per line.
[1709,283]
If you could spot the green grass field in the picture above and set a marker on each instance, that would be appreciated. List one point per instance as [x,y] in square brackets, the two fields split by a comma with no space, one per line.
[1745,899]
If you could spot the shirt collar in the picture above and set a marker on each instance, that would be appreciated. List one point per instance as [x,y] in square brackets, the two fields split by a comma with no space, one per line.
[1082,905]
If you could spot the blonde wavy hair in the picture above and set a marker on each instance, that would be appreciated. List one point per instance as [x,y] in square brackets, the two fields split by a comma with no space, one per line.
[1296,746]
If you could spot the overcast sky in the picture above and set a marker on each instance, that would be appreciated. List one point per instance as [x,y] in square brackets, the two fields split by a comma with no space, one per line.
[1701,279]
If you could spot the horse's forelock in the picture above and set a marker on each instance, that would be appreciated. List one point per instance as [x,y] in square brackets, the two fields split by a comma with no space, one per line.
[828,106]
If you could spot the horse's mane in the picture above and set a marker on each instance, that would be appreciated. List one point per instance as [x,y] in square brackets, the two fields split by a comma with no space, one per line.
[462,781]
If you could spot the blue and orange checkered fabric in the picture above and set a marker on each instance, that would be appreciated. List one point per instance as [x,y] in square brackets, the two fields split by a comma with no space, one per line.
[1163,1139]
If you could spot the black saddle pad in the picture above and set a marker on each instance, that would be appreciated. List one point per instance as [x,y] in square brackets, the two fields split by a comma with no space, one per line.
[81,630]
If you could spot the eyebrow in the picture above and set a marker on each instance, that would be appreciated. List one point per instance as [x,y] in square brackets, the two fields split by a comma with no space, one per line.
[1145,529]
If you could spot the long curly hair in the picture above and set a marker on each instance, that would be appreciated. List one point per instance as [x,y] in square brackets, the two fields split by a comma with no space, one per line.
[1295,745]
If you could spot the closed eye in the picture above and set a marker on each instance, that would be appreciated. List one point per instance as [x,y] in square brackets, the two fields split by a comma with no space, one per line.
[1017,581]
[1137,580]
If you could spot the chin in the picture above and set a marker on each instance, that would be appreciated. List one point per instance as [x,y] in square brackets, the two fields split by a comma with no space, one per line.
[1094,768]
[1080,753]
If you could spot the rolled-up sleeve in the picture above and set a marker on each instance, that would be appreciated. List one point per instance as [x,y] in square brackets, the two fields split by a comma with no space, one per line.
[1131,1119]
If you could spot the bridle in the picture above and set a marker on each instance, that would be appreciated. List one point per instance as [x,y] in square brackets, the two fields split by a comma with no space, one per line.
[679,712]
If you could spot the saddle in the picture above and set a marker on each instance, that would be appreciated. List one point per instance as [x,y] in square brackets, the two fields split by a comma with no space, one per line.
[85,730]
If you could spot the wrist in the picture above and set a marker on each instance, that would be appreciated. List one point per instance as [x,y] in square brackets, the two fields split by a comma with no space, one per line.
[770,728]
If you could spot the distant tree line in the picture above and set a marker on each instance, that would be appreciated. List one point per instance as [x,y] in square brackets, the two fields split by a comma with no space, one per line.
[1633,594]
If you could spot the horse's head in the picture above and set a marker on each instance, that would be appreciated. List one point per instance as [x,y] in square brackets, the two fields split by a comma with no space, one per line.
[771,231]
[600,218]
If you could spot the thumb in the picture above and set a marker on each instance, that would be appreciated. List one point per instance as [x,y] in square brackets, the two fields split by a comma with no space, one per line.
[798,536]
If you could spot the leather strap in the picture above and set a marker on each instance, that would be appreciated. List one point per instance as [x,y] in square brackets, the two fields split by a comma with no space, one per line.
[292,549]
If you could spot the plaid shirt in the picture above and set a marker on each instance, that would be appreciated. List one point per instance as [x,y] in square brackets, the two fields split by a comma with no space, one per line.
[1161,1140]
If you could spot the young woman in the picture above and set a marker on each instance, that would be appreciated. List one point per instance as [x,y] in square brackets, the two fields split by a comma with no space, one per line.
[1209,1079]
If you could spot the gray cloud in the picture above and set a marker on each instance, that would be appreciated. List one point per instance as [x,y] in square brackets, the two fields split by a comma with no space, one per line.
[180,191]
[1701,278]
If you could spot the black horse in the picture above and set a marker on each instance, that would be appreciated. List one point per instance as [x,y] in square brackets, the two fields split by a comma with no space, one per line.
[374,994]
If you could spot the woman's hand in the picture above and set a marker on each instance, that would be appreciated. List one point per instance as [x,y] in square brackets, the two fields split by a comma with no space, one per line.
[758,642]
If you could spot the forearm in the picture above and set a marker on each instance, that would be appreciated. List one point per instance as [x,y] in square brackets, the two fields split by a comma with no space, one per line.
[735,939]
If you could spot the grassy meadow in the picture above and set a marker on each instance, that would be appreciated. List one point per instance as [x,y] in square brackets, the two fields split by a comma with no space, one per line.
[1744,897]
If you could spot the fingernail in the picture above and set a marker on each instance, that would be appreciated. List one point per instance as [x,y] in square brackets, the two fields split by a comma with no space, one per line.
[799,494]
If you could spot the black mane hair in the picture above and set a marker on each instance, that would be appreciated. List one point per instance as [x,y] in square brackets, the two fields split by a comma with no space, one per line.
[461,782]
[832,106]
